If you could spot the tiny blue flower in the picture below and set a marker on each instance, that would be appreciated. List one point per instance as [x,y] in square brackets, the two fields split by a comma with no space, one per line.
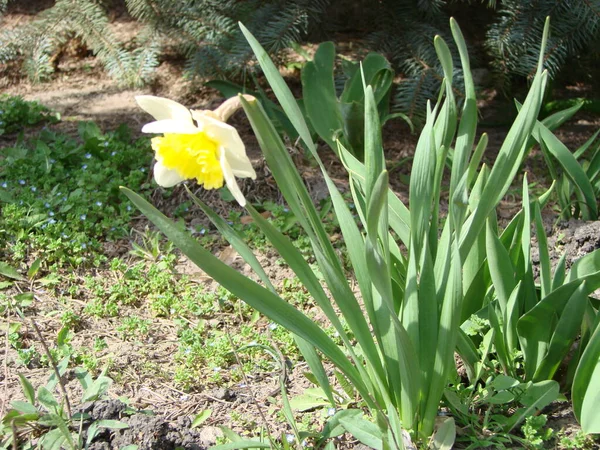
[52,221]
[330,412]
[21,182]
[83,217]
[113,153]
[4,185]
[128,207]
[64,235]
[84,166]
[289,438]
[286,209]
[52,160]
[229,222]
[98,203]
[84,245]
[142,169]
[64,199]
[105,144]
[272,326]
[88,155]
[202,231]
[47,205]
[51,213]
[33,189]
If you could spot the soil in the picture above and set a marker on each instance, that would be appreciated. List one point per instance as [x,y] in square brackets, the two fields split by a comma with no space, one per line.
[80,90]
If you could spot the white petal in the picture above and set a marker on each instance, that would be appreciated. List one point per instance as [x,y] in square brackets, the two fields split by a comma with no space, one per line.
[230,141]
[170,126]
[166,177]
[163,108]
[240,167]
[231,182]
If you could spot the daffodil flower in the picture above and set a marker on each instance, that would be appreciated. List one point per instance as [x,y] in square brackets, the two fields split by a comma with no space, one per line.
[196,145]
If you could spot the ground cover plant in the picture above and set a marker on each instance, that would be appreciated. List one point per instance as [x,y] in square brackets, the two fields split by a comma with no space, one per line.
[403,355]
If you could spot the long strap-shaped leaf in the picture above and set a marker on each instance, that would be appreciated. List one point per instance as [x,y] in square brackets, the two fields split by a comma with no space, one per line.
[586,385]
[308,351]
[252,293]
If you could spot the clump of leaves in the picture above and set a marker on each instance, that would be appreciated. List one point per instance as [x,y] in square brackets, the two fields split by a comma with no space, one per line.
[15,113]
[62,193]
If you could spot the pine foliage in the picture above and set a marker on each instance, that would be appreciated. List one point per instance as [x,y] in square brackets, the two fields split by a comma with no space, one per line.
[208,30]
[513,39]
[40,42]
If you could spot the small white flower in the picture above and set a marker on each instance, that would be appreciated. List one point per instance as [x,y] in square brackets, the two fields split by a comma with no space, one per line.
[290,438]
[330,412]
[83,217]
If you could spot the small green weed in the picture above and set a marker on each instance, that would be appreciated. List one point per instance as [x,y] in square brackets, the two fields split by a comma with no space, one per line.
[579,441]
[134,328]
[535,432]
[15,113]
[62,194]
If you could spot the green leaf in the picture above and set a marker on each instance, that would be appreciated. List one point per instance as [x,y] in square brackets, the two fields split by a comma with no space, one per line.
[35,267]
[310,399]
[10,272]
[62,366]
[536,397]
[366,432]
[507,163]
[24,407]
[28,389]
[56,440]
[586,385]
[571,167]
[564,334]
[320,100]
[445,435]
[503,382]
[46,398]
[97,389]
[281,91]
